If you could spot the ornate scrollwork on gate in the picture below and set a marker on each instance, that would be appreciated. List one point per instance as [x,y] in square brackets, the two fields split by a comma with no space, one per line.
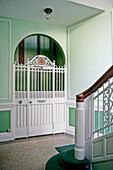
[41,61]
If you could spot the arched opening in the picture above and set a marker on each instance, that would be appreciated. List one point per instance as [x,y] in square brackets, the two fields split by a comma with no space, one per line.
[40,87]
[39,44]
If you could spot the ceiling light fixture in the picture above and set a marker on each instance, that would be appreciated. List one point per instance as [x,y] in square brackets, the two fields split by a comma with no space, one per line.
[48,12]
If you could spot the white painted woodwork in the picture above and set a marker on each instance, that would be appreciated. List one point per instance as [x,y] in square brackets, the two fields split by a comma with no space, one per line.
[80,131]
[39,98]
[98,124]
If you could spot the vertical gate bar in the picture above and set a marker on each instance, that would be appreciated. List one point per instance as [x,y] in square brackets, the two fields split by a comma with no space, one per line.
[59,107]
[56,82]
[55,87]
[53,84]
[61,114]
[65,84]
[28,119]
[21,82]
[56,113]
[28,81]
[35,84]
[18,81]
[18,116]
[35,115]
[59,81]
[47,82]
[45,114]
[38,82]
[32,115]
[22,115]
[49,115]
[62,82]
[64,111]
[32,82]
[24,83]
[41,83]
[39,114]
[44,83]
[16,113]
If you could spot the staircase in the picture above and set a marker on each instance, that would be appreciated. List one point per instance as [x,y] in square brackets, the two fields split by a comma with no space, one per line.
[94,121]
[93,129]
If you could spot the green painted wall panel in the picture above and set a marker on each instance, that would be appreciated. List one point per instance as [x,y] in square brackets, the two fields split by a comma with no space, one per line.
[4,121]
[4,59]
[72,117]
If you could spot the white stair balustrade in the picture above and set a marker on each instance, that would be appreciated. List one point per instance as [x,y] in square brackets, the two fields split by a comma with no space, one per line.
[94,121]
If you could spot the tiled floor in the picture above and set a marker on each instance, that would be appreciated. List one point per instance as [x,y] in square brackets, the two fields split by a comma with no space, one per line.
[31,153]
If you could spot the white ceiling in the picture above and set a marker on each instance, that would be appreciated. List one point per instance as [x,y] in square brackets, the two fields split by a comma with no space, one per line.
[99,4]
[65,12]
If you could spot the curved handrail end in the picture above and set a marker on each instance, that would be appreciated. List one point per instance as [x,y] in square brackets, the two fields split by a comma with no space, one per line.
[108,74]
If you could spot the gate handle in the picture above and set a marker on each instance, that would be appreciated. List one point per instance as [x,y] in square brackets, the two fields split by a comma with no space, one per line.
[30,101]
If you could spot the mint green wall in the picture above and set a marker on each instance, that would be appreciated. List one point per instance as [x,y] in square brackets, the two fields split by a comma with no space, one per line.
[4,121]
[23,28]
[72,117]
[90,53]
[19,30]
[4,59]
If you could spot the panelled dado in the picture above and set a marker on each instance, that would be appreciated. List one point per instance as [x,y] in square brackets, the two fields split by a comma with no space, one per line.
[7,112]
[39,97]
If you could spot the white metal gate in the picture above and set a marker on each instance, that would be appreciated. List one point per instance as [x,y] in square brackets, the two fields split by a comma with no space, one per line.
[39,97]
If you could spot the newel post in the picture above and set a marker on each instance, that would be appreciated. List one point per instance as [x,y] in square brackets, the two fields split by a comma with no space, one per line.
[80,130]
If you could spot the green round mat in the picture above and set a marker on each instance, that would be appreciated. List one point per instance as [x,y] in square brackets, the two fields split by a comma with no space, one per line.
[66,161]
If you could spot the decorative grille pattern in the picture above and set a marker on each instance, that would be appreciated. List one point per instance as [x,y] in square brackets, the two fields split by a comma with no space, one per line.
[103,109]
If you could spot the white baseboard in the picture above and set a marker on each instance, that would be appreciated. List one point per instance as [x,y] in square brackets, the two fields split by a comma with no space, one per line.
[70,130]
[6,137]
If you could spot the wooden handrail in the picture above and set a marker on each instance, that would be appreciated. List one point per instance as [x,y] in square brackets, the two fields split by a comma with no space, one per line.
[108,74]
